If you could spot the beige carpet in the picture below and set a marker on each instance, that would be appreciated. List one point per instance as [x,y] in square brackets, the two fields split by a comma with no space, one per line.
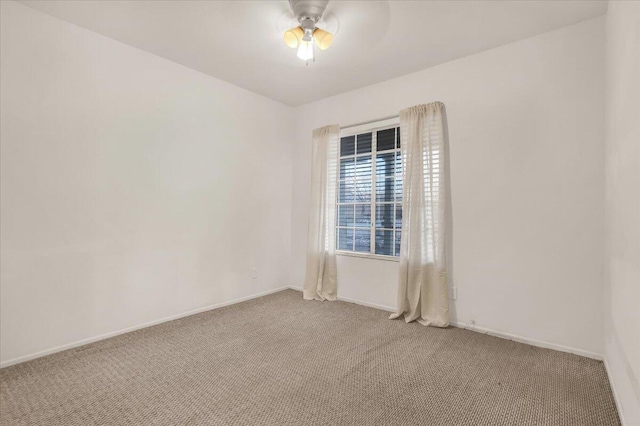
[279,360]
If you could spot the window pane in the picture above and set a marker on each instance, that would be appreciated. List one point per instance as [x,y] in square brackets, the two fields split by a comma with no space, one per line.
[385,164]
[345,239]
[364,143]
[347,146]
[398,216]
[345,215]
[398,189]
[386,139]
[347,168]
[398,132]
[363,191]
[363,215]
[363,167]
[384,190]
[384,216]
[384,242]
[346,191]
[398,243]
[398,163]
[363,240]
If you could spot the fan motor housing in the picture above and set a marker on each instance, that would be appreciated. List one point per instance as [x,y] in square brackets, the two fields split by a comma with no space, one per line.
[308,9]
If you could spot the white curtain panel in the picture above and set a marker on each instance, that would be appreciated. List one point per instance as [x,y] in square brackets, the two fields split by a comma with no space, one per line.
[422,284]
[321,274]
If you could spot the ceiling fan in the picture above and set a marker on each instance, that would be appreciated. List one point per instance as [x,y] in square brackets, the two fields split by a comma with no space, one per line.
[302,37]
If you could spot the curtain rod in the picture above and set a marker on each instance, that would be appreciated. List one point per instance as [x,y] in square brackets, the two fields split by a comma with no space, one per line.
[369,122]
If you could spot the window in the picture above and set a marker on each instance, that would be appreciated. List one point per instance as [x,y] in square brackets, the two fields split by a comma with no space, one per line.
[370,192]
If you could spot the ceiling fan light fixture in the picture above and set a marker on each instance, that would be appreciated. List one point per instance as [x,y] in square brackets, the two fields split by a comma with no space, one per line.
[293,37]
[323,38]
[308,13]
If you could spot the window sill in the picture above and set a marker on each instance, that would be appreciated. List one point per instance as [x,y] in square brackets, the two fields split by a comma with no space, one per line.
[367,256]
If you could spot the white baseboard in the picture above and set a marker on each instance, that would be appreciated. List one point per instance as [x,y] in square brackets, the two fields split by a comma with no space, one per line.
[530,341]
[489,331]
[371,305]
[615,392]
[357,302]
[72,345]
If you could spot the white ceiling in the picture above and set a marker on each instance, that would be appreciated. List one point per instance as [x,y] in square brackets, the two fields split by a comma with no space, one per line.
[239,41]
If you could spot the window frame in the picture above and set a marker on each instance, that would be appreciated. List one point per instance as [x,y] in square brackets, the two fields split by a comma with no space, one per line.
[372,128]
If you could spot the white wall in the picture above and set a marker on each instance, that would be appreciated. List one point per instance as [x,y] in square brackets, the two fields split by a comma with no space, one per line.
[622,171]
[133,188]
[526,139]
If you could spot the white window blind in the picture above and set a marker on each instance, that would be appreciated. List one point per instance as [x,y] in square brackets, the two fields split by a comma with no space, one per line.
[370,192]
